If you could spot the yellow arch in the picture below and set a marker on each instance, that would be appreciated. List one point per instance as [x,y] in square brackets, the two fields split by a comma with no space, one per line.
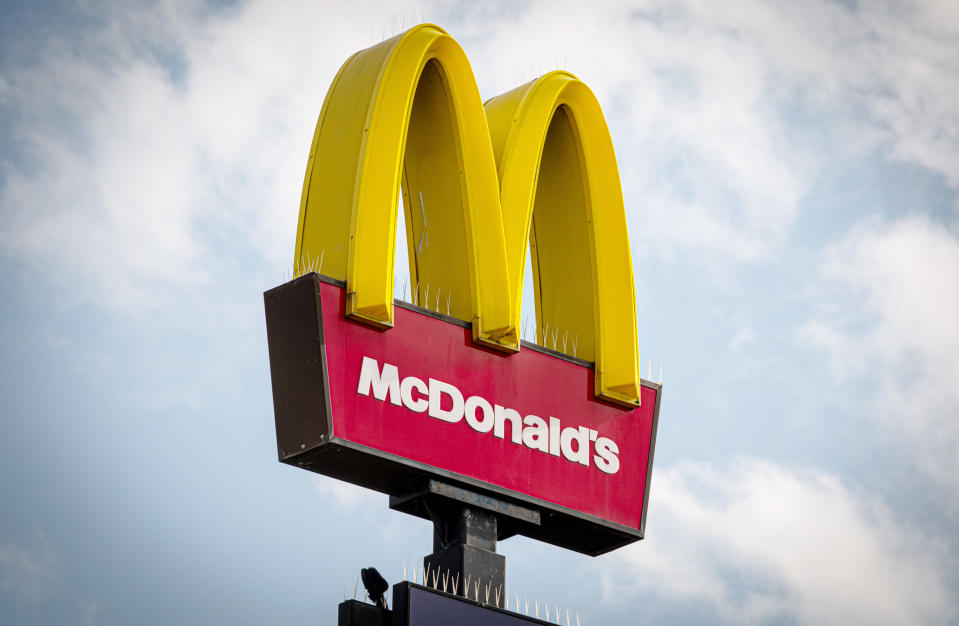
[561,197]
[413,94]
[406,113]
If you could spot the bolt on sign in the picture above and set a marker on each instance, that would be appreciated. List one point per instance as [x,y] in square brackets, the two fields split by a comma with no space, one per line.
[381,392]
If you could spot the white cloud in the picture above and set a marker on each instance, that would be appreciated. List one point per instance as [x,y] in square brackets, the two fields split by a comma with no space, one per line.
[908,55]
[346,495]
[891,323]
[28,570]
[701,152]
[745,336]
[757,542]
[724,115]
[152,147]
[168,130]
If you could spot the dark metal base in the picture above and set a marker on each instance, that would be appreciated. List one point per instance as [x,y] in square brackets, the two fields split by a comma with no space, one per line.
[484,571]
[432,500]
[466,526]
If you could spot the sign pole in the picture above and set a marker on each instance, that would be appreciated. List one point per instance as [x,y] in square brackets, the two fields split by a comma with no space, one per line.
[464,546]
[466,526]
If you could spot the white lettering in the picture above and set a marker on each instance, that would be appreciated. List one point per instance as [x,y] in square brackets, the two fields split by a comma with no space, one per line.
[581,436]
[486,424]
[536,433]
[532,431]
[501,415]
[554,436]
[383,384]
[437,390]
[605,457]
[406,393]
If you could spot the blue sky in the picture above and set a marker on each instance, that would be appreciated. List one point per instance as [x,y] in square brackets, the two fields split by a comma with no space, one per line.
[790,173]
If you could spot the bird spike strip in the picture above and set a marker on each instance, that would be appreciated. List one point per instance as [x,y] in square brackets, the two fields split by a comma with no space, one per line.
[475,589]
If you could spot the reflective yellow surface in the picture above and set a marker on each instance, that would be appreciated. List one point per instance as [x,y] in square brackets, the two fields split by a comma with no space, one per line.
[534,170]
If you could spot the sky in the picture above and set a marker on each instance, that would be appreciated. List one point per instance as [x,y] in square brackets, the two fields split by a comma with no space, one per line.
[791,177]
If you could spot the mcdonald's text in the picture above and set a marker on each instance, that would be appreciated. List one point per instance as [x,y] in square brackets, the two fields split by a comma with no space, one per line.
[532,431]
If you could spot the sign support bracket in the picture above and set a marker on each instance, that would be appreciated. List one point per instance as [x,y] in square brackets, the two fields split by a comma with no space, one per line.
[466,527]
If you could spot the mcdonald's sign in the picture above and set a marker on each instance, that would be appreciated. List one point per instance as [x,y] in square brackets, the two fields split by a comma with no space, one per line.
[383,392]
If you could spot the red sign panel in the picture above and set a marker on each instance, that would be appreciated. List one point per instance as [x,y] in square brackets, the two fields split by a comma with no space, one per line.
[527,424]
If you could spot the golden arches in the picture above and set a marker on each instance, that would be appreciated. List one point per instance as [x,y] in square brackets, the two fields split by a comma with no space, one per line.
[377,111]
[537,166]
